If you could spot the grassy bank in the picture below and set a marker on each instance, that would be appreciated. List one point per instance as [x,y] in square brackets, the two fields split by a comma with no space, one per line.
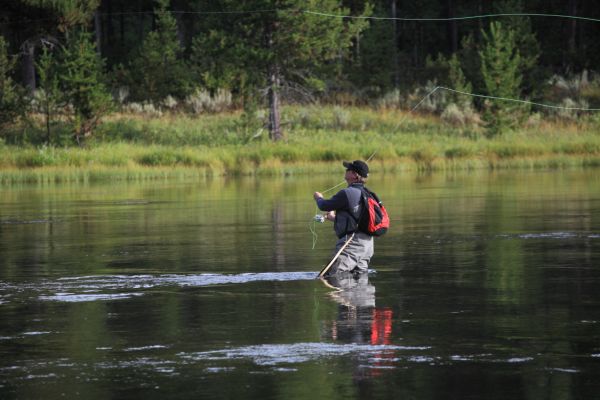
[136,147]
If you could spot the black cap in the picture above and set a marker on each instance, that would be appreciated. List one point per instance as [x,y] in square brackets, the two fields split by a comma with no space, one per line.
[358,166]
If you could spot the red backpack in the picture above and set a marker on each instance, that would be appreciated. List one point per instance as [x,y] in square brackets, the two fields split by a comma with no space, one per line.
[374,219]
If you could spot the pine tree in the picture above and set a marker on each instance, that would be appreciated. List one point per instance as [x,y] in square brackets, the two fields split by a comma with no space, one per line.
[277,47]
[10,95]
[158,70]
[48,96]
[377,62]
[82,82]
[525,41]
[502,76]
[459,82]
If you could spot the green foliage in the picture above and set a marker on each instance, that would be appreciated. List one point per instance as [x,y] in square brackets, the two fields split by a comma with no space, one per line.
[501,70]
[374,65]
[573,91]
[82,84]
[459,82]
[241,51]
[10,94]
[211,144]
[201,101]
[470,62]
[48,97]
[72,12]
[158,69]
[526,43]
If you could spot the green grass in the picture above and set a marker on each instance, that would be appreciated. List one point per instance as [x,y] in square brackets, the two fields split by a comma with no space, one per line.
[317,139]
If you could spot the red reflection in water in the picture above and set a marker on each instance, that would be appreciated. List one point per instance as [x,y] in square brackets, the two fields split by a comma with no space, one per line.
[381,327]
[381,330]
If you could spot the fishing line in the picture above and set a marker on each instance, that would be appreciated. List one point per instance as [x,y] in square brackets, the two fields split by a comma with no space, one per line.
[322,14]
[517,100]
[469,17]
[463,18]
[312,225]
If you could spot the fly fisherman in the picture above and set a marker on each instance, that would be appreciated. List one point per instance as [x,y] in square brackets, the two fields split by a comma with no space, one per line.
[344,209]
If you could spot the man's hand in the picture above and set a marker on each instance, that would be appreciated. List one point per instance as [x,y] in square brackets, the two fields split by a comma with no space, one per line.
[330,216]
[317,196]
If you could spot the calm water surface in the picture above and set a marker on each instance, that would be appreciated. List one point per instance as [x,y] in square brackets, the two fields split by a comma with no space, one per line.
[485,287]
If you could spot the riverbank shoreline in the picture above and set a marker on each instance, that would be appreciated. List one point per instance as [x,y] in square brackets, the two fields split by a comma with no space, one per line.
[273,168]
[133,147]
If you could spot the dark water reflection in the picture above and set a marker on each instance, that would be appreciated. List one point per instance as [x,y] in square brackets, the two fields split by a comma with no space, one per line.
[486,287]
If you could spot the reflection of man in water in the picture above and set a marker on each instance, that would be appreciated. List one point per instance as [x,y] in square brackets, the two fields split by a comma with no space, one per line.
[358,320]
[356,298]
[352,290]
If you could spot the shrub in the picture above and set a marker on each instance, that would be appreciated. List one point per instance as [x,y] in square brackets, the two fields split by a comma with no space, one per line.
[458,152]
[149,109]
[453,115]
[121,94]
[158,68]
[341,118]
[570,109]
[44,156]
[575,91]
[502,75]
[201,101]
[569,87]
[392,99]
[506,150]
[423,157]
[170,102]
[134,108]
[10,94]
[145,108]
[429,98]
[161,157]
[82,82]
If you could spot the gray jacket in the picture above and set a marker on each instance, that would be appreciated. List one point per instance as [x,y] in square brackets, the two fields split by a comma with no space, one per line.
[347,206]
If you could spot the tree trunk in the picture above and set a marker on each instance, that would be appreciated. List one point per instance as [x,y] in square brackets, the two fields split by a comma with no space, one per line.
[572,45]
[274,117]
[28,66]
[273,81]
[480,20]
[140,23]
[47,112]
[98,32]
[395,46]
[181,28]
[453,28]
[109,29]
[415,54]
[122,26]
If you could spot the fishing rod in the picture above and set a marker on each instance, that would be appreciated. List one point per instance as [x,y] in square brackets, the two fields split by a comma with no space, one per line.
[320,218]
[328,266]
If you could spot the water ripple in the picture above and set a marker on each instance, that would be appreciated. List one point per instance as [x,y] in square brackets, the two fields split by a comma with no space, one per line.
[274,354]
[76,298]
[118,287]
[550,235]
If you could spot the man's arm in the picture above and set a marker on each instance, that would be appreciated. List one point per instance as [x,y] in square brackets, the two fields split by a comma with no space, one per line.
[338,202]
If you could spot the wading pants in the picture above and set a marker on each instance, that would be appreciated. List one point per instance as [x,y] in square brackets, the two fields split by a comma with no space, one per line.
[356,256]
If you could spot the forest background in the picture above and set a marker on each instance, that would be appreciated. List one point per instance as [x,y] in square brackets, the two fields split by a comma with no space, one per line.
[136,89]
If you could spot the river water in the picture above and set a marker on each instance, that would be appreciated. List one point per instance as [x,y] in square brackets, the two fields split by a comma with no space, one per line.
[486,286]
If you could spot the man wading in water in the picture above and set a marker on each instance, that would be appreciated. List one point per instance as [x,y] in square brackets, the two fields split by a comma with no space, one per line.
[344,209]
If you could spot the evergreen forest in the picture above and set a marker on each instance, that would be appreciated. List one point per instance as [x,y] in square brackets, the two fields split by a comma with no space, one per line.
[487,67]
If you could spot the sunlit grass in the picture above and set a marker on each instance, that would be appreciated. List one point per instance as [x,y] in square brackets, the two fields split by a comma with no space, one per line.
[317,139]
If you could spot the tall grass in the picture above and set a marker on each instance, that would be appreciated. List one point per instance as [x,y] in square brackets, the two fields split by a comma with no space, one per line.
[317,139]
